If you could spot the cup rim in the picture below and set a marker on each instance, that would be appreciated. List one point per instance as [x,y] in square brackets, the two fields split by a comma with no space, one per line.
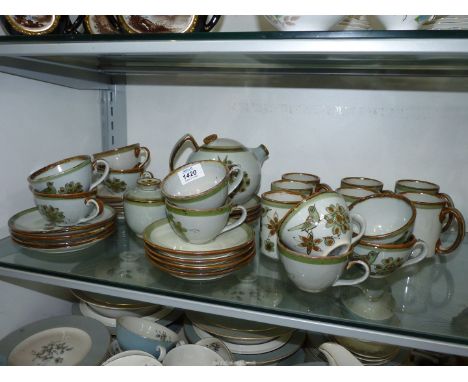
[317,181]
[198,211]
[435,187]
[355,188]
[142,320]
[117,150]
[33,178]
[441,202]
[77,195]
[265,196]
[289,181]
[138,168]
[407,244]
[345,181]
[392,195]
[206,193]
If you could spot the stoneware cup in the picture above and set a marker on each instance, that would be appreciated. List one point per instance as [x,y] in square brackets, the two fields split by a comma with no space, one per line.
[385,259]
[293,185]
[317,273]
[352,194]
[125,158]
[202,226]
[361,182]
[68,209]
[120,181]
[390,217]
[193,355]
[321,225]
[68,176]
[201,185]
[304,177]
[431,212]
[275,204]
[135,333]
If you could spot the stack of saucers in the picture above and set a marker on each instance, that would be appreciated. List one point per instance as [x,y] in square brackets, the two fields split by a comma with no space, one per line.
[29,229]
[108,309]
[227,253]
[116,202]
[263,344]
[253,208]
[369,353]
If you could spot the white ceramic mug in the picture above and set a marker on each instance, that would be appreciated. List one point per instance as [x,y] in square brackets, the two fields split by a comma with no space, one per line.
[431,212]
[362,182]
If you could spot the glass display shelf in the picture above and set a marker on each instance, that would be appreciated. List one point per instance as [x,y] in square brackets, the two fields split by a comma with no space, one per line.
[428,301]
[101,60]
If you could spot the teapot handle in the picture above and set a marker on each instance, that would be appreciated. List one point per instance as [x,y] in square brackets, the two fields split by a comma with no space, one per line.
[178,146]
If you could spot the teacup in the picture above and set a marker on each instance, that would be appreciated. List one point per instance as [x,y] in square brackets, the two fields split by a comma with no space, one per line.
[352,194]
[203,184]
[389,217]
[275,204]
[125,158]
[307,178]
[202,226]
[361,182]
[68,176]
[321,225]
[132,358]
[193,355]
[302,188]
[135,333]
[120,181]
[317,273]
[68,209]
[218,347]
[385,259]
[431,212]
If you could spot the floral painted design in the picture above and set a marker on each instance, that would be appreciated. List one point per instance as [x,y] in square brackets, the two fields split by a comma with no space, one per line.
[52,214]
[115,184]
[309,243]
[388,265]
[177,226]
[68,188]
[337,219]
[269,245]
[273,224]
[216,347]
[265,211]
[53,351]
[244,184]
[160,335]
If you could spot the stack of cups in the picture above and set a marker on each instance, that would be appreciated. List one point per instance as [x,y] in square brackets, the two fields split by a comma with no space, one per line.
[315,240]
[64,191]
[126,165]
[197,200]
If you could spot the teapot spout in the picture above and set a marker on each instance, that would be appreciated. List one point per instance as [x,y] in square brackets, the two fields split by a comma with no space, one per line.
[261,153]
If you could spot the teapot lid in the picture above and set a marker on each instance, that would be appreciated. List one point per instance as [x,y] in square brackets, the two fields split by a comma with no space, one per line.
[213,143]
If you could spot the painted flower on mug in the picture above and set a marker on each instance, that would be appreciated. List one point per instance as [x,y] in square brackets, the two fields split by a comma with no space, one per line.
[310,244]
[115,185]
[177,226]
[273,224]
[388,265]
[52,214]
[269,245]
[337,219]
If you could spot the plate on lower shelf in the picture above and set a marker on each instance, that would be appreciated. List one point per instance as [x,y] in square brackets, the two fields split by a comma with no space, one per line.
[64,340]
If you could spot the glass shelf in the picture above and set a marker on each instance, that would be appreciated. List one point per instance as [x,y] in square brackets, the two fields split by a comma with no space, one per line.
[430,299]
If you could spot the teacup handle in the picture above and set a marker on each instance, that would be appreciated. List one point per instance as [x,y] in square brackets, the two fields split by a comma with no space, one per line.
[162,353]
[450,204]
[237,180]
[239,221]
[97,211]
[460,232]
[362,227]
[138,151]
[103,177]
[356,280]
[323,187]
[420,247]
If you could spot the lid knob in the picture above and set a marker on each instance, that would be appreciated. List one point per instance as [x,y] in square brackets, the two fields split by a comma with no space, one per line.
[210,138]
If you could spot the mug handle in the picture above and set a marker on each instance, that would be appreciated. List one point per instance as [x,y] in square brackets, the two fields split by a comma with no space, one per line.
[237,180]
[239,221]
[178,146]
[98,210]
[460,232]
[355,218]
[450,204]
[147,156]
[323,187]
[420,255]
[162,353]
[103,177]
[357,280]
[207,26]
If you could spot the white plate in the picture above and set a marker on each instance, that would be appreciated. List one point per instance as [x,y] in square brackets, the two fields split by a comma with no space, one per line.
[161,236]
[132,358]
[64,340]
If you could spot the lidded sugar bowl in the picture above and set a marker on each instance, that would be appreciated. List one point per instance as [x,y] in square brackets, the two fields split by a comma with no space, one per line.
[144,204]
[230,152]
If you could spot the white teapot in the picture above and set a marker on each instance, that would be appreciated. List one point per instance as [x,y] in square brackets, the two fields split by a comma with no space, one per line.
[230,152]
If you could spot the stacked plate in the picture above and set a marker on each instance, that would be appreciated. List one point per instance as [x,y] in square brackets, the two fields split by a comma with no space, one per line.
[106,309]
[113,200]
[263,344]
[253,207]
[30,230]
[229,252]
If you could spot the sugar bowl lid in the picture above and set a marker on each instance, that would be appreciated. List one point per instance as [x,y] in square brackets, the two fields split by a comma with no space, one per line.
[147,190]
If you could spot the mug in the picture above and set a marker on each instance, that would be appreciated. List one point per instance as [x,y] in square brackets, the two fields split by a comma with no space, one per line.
[304,177]
[352,194]
[202,226]
[431,212]
[321,225]
[125,158]
[302,188]
[275,204]
[69,176]
[68,209]
[361,182]
[203,184]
